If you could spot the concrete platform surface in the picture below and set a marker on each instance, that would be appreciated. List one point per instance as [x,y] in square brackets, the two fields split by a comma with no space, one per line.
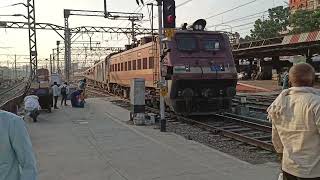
[96,143]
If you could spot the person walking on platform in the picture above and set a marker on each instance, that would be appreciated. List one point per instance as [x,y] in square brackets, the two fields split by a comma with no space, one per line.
[17,160]
[64,93]
[55,92]
[295,117]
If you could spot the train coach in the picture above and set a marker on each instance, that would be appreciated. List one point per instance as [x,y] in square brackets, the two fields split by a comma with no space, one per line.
[198,67]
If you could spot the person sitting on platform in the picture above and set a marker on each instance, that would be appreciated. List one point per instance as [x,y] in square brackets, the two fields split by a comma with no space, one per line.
[32,106]
[295,116]
[77,99]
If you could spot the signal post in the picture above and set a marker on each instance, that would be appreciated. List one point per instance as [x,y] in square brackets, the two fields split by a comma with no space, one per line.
[169,25]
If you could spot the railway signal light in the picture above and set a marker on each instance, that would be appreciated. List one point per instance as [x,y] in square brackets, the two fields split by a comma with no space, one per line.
[169,14]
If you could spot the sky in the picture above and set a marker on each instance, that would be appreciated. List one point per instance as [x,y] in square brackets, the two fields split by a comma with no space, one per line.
[15,41]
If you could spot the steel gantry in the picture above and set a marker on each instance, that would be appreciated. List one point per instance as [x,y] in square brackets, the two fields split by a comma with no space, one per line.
[32,39]
[106,14]
[69,33]
[72,32]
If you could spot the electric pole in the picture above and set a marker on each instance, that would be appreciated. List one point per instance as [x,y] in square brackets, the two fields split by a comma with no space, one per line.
[53,62]
[15,66]
[50,63]
[162,80]
[58,54]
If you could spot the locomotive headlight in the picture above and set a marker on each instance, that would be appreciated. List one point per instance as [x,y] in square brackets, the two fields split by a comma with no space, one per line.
[188,68]
[222,67]
[179,93]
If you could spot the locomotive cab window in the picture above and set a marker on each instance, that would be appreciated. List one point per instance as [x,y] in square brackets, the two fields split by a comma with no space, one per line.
[186,44]
[211,45]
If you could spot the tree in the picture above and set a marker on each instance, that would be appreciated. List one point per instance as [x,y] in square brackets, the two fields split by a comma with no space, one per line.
[304,21]
[277,22]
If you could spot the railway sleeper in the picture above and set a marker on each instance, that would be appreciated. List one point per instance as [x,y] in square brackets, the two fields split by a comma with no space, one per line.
[241,130]
[231,127]
[263,137]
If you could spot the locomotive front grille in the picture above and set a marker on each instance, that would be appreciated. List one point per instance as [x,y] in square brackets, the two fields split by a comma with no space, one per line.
[203,105]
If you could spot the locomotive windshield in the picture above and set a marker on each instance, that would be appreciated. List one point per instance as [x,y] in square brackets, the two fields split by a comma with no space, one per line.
[187,44]
[210,44]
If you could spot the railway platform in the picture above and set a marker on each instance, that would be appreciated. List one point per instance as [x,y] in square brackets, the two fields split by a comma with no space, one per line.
[97,143]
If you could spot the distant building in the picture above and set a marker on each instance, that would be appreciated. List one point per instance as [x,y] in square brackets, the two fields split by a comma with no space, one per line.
[304,4]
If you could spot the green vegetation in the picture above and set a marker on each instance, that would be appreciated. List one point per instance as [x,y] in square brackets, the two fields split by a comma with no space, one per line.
[280,21]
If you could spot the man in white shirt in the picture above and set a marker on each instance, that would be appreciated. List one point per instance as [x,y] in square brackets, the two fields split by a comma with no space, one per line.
[55,92]
[295,116]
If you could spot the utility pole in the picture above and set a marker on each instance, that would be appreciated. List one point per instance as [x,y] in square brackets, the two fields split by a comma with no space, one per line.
[162,80]
[152,14]
[50,63]
[58,54]
[15,66]
[133,33]
[53,62]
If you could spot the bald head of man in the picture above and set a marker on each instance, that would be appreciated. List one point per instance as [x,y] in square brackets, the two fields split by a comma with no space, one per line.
[302,75]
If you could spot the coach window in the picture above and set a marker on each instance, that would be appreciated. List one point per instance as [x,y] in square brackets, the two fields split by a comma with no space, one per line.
[121,66]
[145,63]
[151,62]
[139,64]
[129,66]
[134,65]
[126,66]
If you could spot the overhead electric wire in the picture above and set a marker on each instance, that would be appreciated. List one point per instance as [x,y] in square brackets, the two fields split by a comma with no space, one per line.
[232,9]
[246,24]
[251,16]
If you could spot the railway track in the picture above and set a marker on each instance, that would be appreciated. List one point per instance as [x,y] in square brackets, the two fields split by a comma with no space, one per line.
[258,103]
[12,92]
[246,130]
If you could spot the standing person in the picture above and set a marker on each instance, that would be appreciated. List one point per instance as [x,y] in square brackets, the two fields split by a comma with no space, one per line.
[17,160]
[82,86]
[285,80]
[295,116]
[32,106]
[55,92]
[64,93]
